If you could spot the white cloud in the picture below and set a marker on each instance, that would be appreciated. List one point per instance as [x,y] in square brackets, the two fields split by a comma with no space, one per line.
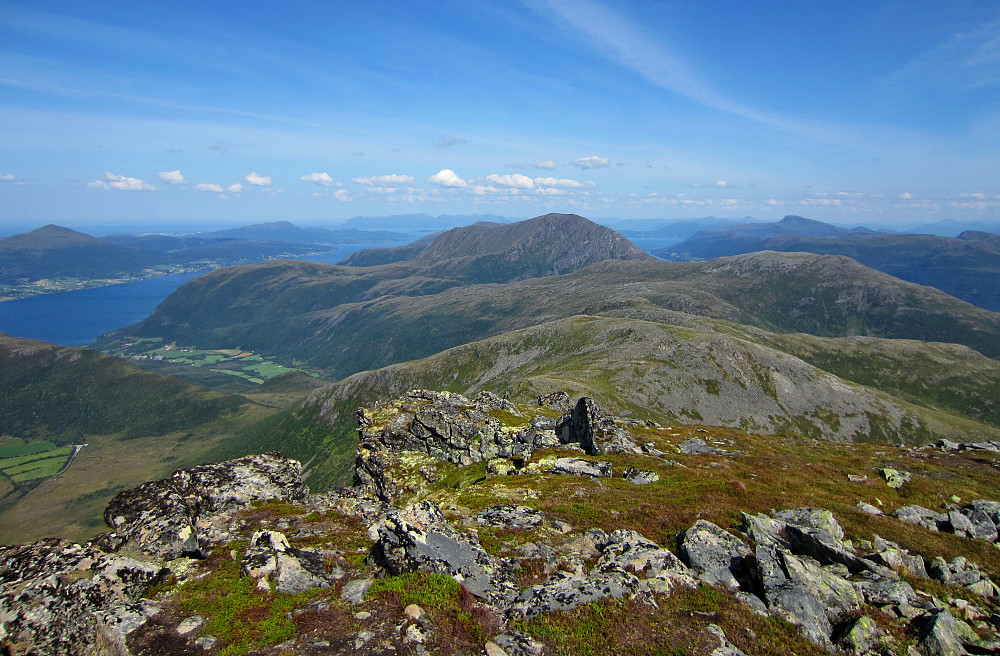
[323,179]
[773,201]
[561,182]
[544,164]
[811,202]
[235,188]
[375,180]
[209,187]
[721,184]
[516,181]
[342,195]
[976,196]
[551,191]
[906,195]
[172,177]
[447,178]
[6,177]
[258,180]
[591,162]
[122,182]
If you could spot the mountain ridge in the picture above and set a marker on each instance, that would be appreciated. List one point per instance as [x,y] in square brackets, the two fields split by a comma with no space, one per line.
[967,267]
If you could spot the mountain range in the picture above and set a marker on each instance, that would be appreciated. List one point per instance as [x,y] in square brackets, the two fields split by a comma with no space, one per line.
[967,266]
[811,344]
[803,381]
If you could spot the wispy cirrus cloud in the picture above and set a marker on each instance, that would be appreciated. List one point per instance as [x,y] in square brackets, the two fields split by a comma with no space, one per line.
[390,179]
[969,60]
[629,45]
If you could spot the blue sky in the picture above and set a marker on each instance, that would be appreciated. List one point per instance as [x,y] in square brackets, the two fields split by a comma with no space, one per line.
[145,113]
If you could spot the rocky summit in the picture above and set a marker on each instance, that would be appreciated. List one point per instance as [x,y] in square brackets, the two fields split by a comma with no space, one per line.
[476,525]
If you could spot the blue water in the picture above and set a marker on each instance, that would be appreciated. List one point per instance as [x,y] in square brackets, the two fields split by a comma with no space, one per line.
[78,318]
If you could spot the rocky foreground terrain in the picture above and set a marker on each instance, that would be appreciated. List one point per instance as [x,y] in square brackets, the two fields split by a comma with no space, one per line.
[479,526]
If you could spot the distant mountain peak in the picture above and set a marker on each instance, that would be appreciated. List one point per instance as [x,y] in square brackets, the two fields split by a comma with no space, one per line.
[550,244]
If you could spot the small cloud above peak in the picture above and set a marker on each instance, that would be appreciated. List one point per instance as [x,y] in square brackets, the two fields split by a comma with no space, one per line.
[448,178]
[258,180]
[171,177]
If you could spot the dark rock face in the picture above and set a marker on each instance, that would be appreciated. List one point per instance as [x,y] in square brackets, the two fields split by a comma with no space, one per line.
[52,592]
[596,433]
[160,517]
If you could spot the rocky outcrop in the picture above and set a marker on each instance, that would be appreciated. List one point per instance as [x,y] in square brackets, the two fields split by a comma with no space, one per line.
[979,519]
[451,428]
[419,538]
[160,518]
[515,559]
[56,595]
[596,433]
[270,560]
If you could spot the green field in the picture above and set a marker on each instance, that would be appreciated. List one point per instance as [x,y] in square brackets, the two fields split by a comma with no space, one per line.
[34,460]
[244,364]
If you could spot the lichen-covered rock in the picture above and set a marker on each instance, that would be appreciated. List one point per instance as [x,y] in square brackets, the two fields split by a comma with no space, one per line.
[894,478]
[929,519]
[240,483]
[52,592]
[812,518]
[160,518]
[943,635]
[717,556]
[156,518]
[862,637]
[510,516]
[790,599]
[567,591]
[581,467]
[419,538]
[640,476]
[269,558]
